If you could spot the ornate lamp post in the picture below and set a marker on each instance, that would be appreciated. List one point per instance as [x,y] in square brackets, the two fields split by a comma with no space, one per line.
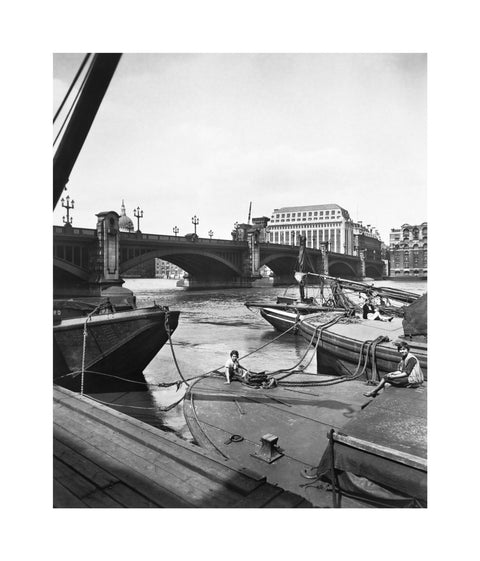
[175,230]
[138,214]
[68,206]
[210,233]
[235,231]
[195,221]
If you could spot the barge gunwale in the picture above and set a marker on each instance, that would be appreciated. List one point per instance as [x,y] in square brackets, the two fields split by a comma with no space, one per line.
[348,347]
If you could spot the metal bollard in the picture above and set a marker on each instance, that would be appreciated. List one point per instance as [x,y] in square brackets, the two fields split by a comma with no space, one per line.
[269,452]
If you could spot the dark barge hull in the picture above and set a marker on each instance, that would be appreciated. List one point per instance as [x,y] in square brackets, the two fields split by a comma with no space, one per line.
[340,345]
[279,319]
[120,344]
[283,318]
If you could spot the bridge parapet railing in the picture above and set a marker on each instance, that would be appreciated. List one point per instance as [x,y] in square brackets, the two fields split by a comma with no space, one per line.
[60,230]
[177,239]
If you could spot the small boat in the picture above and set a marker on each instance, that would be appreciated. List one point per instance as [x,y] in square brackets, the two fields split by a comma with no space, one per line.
[352,344]
[111,347]
[285,318]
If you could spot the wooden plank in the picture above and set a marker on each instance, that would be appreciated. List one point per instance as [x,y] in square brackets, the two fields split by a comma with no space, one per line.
[183,477]
[260,497]
[81,487]
[162,470]
[383,451]
[128,497]
[171,445]
[133,456]
[304,504]
[110,484]
[91,471]
[161,496]
[63,498]
[287,500]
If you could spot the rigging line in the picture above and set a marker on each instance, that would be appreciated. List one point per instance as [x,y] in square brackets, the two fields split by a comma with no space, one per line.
[322,328]
[289,371]
[74,103]
[266,344]
[77,372]
[150,385]
[157,408]
[87,56]
[167,329]
[191,398]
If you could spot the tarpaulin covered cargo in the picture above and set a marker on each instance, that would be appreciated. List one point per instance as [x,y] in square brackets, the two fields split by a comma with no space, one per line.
[381,455]
[415,320]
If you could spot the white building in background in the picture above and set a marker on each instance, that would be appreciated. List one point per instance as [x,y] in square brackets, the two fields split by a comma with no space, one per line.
[167,270]
[328,223]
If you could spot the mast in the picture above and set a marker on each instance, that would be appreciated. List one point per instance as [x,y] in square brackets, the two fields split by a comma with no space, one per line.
[301,267]
[101,71]
[249,212]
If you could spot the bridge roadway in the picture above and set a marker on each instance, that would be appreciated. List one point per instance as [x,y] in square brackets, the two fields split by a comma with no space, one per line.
[210,263]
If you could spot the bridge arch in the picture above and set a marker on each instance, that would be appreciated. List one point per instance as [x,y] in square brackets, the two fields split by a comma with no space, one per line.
[194,261]
[71,269]
[375,272]
[341,269]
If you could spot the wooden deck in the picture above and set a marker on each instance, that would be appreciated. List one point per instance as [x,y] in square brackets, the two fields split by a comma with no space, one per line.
[105,459]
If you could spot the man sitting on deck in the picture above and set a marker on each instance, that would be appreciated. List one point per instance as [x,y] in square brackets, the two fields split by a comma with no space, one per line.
[233,368]
[409,373]
[370,312]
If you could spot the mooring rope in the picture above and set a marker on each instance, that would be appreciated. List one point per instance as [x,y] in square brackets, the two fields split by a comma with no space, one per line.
[198,422]
[84,348]
[360,370]
[317,333]
[167,329]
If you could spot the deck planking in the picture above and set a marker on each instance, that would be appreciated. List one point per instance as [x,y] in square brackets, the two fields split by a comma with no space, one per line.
[105,459]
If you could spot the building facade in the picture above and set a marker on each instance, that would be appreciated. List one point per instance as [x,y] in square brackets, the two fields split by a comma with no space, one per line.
[328,223]
[408,251]
[166,270]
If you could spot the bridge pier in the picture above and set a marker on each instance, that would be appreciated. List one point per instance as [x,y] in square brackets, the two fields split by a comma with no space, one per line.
[106,272]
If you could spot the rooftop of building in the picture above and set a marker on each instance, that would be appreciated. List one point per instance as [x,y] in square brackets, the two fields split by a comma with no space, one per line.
[308,207]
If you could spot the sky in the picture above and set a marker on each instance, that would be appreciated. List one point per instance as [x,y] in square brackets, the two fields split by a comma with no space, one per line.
[183,135]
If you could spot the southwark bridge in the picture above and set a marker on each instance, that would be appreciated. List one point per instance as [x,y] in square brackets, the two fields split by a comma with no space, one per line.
[86,260]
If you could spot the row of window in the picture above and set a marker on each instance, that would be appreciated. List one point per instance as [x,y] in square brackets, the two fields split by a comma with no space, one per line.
[413,273]
[305,213]
[405,246]
[415,234]
[314,238]
[312,225]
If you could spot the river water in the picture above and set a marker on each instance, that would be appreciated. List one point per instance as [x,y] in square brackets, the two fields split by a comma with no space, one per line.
[211,324]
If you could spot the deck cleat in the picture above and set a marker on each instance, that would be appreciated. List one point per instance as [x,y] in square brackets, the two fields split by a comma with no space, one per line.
[269,452]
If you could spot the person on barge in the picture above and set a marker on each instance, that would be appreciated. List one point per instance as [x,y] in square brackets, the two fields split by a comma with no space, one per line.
[370,312]
[409,373]
[233,368]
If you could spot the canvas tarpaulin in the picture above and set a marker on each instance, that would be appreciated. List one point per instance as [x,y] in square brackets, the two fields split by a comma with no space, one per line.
[396,423]
[415,320]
